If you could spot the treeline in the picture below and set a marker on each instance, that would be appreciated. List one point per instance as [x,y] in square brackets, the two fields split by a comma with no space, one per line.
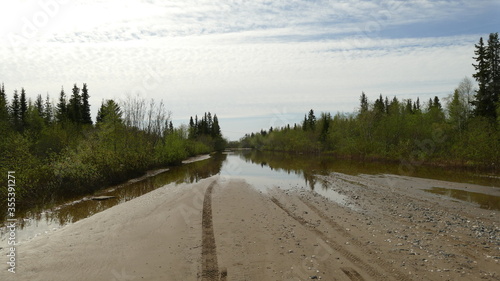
[56,149]
[207,130]
[463,131]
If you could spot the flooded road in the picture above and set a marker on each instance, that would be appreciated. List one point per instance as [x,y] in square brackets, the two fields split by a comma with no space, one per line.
[261,170]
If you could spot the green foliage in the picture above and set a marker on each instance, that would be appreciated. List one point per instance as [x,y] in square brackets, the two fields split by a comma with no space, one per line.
[467,132]
[395,130]
[61,108]
[15,112]
[207,131]
[86,118]
[32,175]
[55,150]
[488,77]
[172,149]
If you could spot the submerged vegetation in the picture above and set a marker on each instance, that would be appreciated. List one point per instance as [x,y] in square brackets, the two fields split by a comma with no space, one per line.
[57,150]
[465,131]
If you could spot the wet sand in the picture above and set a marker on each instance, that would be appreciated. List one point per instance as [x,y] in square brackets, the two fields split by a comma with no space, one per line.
[224,229]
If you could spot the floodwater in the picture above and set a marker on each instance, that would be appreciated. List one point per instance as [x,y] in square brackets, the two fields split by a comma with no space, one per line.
[261,170]
[484,201]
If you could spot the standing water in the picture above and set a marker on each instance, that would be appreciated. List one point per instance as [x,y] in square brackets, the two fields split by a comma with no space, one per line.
[259,169]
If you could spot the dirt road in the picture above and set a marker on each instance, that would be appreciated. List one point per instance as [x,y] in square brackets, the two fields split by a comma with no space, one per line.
[220,229]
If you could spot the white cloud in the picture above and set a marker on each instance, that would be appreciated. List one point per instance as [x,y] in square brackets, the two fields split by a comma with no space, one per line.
[238,58]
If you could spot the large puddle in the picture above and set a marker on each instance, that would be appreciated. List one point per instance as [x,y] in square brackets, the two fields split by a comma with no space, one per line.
[261,170]
[484,201]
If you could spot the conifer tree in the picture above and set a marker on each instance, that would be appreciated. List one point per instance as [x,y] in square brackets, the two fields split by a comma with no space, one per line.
[48,111]
[109,112]
[39,105]
[4,110]
[216,133]
[62,108]
[311,120]
[379,105]
[488,77]
[364,103]
[209,122]
[15,111]
[325,121]
[437,103]
[409,106]
[191,122]
[493,52]
[23,109]
[192,128]
[85,111]
[170,127]
[75,106]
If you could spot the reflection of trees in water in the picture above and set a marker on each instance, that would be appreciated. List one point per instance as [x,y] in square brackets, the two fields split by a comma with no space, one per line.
[203,169]
[310,179]
[324,184]
[275,161]
[305,166]
[485,201]
[308,166]
[75,211]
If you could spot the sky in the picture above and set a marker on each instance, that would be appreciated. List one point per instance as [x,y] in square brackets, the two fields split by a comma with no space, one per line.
[256,64]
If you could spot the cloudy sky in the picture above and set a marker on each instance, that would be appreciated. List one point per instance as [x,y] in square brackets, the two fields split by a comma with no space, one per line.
[255,64]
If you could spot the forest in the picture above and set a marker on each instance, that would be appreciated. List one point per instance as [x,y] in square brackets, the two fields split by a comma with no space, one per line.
[461,129]
[56,150]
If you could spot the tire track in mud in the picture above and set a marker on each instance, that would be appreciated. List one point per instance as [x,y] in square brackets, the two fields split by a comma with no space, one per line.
[209,266]
[335,246]
[383,264]
[352,274]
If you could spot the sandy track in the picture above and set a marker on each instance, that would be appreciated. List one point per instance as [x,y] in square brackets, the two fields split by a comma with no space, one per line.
[364,264]
[227,230]
[210,268]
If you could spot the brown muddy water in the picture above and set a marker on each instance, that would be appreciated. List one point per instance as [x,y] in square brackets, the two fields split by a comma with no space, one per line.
[260,169]
[484,201]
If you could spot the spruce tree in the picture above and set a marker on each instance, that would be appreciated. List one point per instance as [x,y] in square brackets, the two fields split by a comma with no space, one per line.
[62,108]
[4,110]
[48,111]
[86,117]
[430,105]
[192,128]
[437,103]
[311,120]
[15,112]
[23,109]
[209,122]
[170,127]
[393,108]
[109,112]
[39,105]
[409,106]
[493,55]
[487,76]
[191,122]
[364,103]
[75,106]
[204,126]
[216,133]
[379,105]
